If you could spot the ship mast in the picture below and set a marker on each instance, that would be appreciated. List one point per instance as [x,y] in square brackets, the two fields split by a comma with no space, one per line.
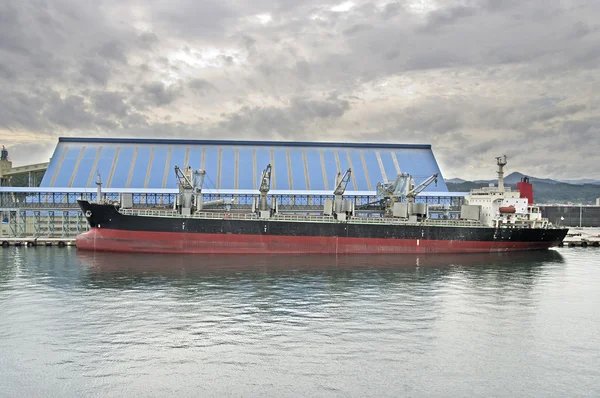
[99,188]
[501,163]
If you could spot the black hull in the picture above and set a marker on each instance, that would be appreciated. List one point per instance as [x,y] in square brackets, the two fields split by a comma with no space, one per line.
[235,235]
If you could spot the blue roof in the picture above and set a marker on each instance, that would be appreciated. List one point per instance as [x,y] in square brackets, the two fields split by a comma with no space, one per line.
[235,165]
[238,143]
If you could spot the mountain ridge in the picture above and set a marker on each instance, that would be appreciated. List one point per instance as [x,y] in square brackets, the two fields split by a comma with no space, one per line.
[516,176]
[545,190]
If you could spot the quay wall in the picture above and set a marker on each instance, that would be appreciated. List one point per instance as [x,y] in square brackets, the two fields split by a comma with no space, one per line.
[572,215]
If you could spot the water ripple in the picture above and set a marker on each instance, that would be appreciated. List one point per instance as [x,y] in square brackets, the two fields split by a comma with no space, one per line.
[111,325]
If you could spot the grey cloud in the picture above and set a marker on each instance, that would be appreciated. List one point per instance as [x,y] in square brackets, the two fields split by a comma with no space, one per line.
[291,121]
[156,94]
[460,36]
[356,28]
[202,19]
[113,50]
[583,131]
[71,113]
[96,71]
[202,87]
[10,31]
[6,72]
[447,16]
[391,10]
[107,124]
[307,109]
[466,139]
[21,111]
[22,152]
[148,39]
[135,120]
[111,103]
[303,70]
[484,75]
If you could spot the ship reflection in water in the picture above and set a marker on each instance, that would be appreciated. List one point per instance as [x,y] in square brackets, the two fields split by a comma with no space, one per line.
[78,323]
[181,265]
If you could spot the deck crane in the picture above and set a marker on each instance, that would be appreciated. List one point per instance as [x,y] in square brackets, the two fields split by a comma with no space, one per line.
[341,182]
[265,186]
[402,187]
[190,180]
[399,188]
[190,190]
[339,207]
[410,195]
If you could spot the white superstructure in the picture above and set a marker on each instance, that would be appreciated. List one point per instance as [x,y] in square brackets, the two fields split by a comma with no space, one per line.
[498,206]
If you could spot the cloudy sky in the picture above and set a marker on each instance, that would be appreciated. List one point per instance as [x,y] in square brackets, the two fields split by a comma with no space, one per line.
[474,78]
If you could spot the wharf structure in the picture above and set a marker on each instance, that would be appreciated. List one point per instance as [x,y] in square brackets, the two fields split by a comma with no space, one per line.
[142,172]
[572,215]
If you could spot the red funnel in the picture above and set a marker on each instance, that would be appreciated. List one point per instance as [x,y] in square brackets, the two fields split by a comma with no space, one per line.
[526,189]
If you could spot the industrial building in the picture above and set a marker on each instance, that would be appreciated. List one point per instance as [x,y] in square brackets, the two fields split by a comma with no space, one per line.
[572,215]
[303,176]
[235,166]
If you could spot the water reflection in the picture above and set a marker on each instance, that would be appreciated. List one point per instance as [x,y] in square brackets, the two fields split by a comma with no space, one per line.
[94,322]
[68,266]
[339,272]
[169,265]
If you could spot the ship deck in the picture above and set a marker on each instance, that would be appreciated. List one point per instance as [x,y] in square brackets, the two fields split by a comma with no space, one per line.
[306,218]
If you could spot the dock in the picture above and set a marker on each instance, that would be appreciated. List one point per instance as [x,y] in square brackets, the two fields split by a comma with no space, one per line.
[33,242]
[571,241]
[582,237]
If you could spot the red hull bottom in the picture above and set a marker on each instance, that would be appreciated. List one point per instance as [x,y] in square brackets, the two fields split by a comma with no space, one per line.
[191,243]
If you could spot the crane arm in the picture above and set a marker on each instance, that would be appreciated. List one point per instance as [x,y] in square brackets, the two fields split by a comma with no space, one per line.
[419,188]
[399,187]
[265,182]
[189,179]
[184,181]
[341,182]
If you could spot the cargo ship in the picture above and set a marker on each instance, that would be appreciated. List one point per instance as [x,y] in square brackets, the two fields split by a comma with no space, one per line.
[492,219]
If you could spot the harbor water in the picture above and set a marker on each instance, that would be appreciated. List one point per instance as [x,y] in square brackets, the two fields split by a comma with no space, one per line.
[76,324]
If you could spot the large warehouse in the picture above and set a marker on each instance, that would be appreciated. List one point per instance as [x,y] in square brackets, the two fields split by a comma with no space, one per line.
[148,164]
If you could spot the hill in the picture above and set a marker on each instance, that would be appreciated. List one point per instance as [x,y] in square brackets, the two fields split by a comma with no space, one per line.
[582,181]
[545,191]
[512,178]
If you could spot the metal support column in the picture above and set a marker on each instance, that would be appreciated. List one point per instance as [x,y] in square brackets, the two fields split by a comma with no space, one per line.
[65,224]
[50,221]
[37,223]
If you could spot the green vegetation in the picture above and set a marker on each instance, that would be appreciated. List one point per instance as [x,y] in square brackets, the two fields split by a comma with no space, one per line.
[22,180]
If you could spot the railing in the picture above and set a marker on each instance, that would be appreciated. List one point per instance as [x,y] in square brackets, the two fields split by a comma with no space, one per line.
[297,218]
[18,223]
[52,199]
